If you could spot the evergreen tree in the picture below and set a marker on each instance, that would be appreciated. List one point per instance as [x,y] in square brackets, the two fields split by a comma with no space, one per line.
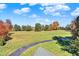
[37,27]
[46,28]
[17,27]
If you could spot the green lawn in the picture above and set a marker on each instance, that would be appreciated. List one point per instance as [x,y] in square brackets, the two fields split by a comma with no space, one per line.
[21,38]
[52,47]
[30,51]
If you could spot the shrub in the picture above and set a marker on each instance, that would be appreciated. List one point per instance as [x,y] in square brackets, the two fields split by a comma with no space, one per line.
[2,42]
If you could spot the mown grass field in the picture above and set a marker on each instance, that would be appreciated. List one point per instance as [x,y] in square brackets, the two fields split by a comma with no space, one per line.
[52,47]
[21,38]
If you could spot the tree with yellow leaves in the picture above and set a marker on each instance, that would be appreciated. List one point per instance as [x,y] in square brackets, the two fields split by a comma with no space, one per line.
[55,25]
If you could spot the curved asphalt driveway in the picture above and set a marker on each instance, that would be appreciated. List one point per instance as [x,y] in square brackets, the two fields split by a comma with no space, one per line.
[42,52]
[22,49]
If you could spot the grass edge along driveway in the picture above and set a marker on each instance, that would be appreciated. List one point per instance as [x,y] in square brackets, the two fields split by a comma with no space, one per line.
[52,47]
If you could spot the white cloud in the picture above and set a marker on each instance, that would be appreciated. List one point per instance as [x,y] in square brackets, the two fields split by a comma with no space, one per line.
[22,10]
[46,4]
[75,12]
[22,3]
[17,11]
[50,4]
[62,7]
[32,4]
[54,9]
[2,6]
[25,9]
[49,10]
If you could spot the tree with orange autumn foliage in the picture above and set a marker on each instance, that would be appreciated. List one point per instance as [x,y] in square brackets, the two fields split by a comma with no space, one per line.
[2,28]
[55,25]
[5,28]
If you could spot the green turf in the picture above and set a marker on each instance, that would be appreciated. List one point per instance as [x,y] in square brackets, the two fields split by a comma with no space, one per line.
[30,51]
[55,49]
[21,38]
[52,47]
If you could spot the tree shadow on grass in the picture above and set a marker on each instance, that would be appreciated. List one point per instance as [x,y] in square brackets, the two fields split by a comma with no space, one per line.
[10,34]
[64,41]
[7,38]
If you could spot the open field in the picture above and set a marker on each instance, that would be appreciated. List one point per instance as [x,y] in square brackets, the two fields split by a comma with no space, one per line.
[21,38]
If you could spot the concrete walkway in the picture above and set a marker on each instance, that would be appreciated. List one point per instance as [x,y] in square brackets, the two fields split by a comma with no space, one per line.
[24,48]
[42,52]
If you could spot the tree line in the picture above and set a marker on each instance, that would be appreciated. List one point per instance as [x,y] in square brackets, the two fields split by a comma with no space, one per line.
[38,27]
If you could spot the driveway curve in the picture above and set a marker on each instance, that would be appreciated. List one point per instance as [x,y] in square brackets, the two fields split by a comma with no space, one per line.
[24,48]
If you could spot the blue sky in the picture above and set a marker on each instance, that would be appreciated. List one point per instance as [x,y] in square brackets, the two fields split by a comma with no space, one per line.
[44,13]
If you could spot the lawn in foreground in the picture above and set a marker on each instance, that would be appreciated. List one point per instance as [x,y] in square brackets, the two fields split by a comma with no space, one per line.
[21,38]
[52,47]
